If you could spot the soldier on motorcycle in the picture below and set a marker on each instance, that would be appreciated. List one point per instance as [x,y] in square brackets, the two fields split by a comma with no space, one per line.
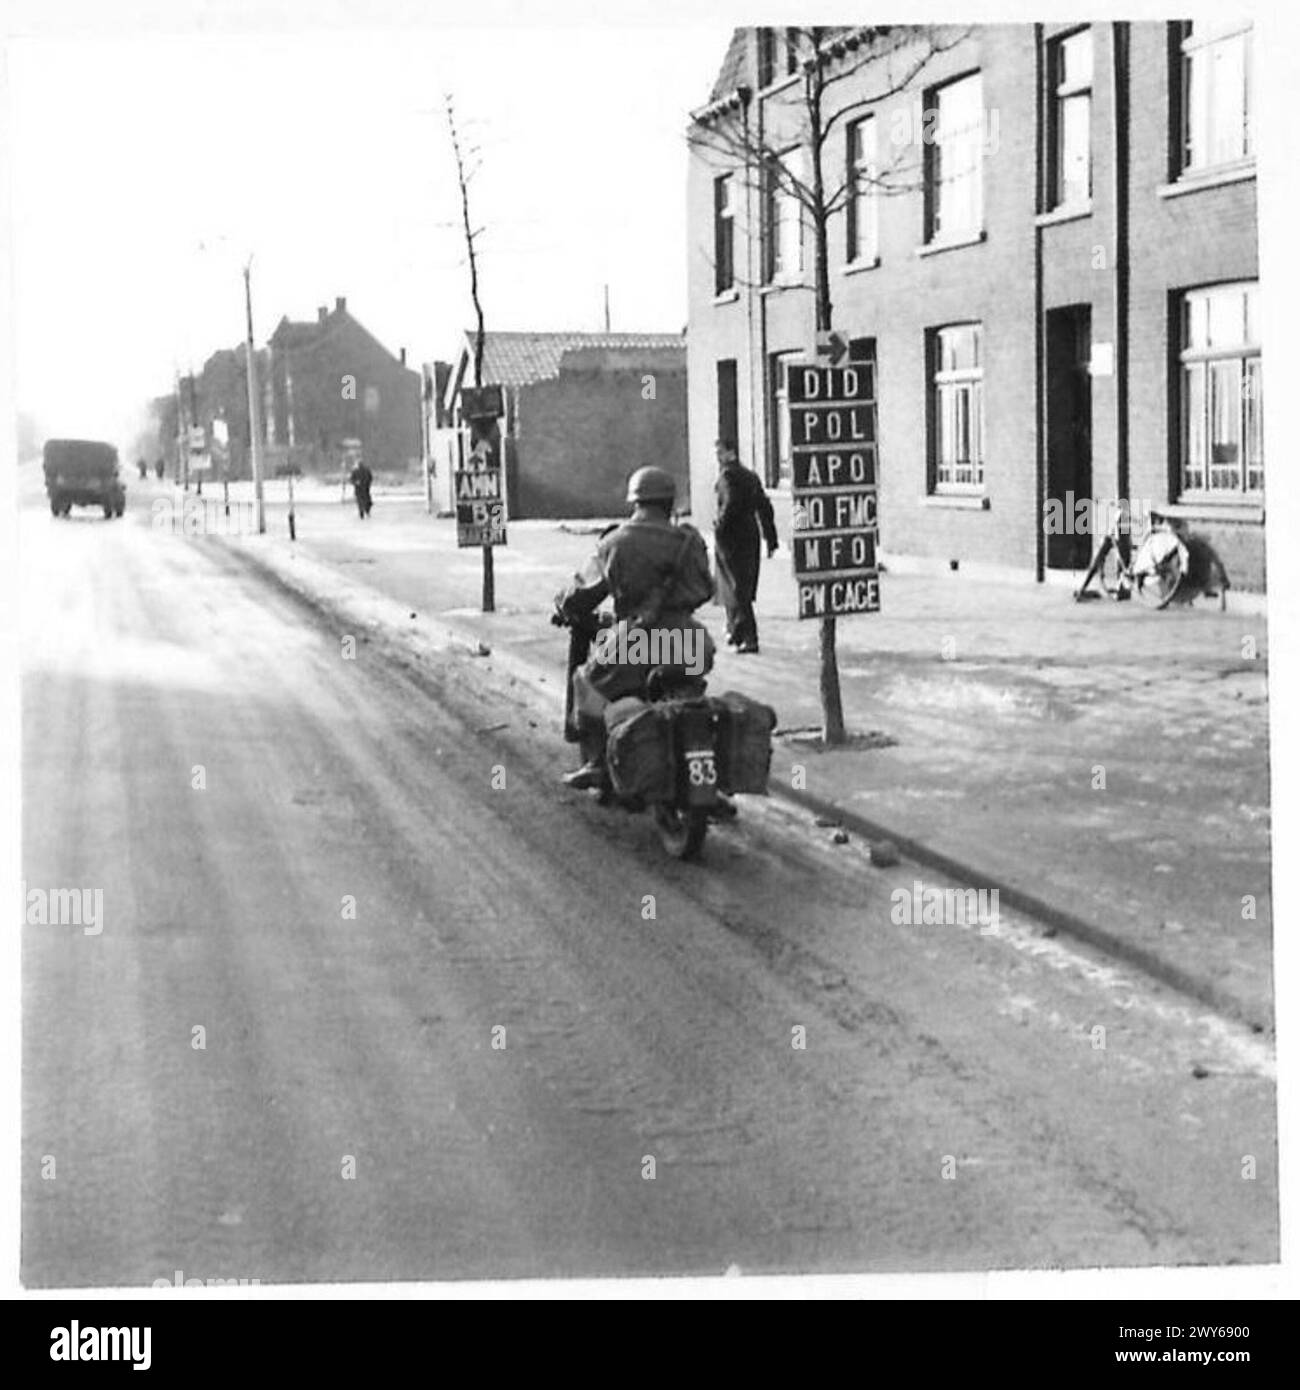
[657,573]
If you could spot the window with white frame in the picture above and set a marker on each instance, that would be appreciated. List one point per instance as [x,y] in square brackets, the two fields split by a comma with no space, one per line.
[1222,392]
[1217,94]
[953,132]
[1070,112]
[957,407]
[778,450]
[861,208]
[724,234]
[783,218]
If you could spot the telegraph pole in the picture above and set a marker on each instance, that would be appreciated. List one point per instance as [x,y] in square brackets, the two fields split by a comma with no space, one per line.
[254,404]
[182,439]
[194,420]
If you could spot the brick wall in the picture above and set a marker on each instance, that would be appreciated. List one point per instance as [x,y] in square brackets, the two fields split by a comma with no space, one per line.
[1175,243]
[1178,243]
[579,435]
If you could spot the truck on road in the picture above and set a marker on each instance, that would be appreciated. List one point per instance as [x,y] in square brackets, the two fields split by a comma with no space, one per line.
[83,473]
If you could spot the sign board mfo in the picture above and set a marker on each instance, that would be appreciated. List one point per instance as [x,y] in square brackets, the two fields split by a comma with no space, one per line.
[833,488]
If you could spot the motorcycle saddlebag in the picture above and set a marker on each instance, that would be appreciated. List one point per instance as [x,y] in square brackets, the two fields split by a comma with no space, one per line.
[744,742]
[639,750]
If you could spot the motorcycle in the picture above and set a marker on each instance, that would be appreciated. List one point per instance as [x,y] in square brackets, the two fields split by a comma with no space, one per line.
[666,752]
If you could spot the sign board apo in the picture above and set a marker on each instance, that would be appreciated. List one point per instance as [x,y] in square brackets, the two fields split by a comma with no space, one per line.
[480,488]
[833,488]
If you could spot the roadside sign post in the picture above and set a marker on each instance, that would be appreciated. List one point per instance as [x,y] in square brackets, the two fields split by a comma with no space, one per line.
[833,486]
[221,453]
[200,461]
[480,481]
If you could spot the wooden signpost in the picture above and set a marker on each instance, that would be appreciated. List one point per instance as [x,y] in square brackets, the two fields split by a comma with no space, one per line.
[480,481]
[833,488]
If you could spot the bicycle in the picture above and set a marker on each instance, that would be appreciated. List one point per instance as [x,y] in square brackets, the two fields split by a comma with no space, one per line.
[1154,569]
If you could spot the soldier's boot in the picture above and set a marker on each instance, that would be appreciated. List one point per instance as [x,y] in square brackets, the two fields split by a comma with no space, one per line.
[591,743]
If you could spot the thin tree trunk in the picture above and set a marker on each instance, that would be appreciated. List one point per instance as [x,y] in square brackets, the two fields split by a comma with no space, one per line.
[828,682]
[489,576]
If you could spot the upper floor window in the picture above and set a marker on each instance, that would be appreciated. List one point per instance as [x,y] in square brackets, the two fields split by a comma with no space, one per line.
[1070,113]
[956,391]
[1217,94]
[783,218]
[1222,391]
[778,55]
[860,211]
[724,234]
[953,131]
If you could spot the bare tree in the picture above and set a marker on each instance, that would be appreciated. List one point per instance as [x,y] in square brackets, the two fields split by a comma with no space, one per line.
[804,116]
[465,172]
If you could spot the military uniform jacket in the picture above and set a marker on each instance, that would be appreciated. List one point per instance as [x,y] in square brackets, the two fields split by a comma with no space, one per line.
[645,563]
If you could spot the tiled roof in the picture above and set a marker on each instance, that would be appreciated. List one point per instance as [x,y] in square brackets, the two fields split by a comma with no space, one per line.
[516,359]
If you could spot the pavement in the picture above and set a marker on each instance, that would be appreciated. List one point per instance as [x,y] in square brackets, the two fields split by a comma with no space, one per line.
[371,996]
[1108,764]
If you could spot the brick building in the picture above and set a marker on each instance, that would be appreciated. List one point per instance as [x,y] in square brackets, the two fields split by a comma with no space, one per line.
[583,410]
[331,381]
[1047,243]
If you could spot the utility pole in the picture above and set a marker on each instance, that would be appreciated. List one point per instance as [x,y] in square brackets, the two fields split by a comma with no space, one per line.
[194,420]
[254,404]
[607,307]
[427,386]
[181,437]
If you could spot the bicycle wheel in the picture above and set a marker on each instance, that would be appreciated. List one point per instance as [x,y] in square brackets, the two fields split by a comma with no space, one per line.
[1157,572]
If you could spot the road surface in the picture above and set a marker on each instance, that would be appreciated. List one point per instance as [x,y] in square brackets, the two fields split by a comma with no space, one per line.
[375,998]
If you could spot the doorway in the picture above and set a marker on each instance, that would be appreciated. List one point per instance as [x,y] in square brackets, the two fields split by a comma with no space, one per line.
[1069,437]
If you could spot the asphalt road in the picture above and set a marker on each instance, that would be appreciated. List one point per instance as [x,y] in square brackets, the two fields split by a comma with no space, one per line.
[198,746]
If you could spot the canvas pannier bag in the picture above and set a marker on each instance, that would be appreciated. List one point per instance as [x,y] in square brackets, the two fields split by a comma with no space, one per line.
[639,750]
[744,742]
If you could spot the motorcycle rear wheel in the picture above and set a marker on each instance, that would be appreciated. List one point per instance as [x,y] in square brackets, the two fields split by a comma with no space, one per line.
[682,832]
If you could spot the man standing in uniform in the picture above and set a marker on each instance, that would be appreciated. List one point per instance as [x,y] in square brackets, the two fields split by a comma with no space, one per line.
[657,573]
[743,509]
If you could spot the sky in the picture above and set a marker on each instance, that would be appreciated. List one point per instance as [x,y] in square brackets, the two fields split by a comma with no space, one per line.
[146,169]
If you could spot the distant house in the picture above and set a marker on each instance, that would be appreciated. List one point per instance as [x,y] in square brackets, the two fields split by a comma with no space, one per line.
[331,381]
[223,395]
[582,411]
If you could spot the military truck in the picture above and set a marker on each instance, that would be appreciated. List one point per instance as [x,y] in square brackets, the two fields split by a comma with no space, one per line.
[83,473]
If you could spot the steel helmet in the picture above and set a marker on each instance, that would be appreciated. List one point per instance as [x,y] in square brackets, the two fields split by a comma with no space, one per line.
[651,485]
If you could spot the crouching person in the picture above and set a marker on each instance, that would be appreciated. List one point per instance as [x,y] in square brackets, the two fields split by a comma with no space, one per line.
[656,571]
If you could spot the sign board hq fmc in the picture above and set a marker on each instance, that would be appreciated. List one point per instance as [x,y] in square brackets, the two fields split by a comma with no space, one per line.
[833,488]
[480,490]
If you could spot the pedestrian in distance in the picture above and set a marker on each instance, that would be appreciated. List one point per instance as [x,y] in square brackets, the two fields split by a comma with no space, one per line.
[743,518]
[158,469]
[361,478]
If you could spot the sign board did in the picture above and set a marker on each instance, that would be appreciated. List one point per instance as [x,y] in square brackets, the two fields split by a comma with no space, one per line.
[834,488]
